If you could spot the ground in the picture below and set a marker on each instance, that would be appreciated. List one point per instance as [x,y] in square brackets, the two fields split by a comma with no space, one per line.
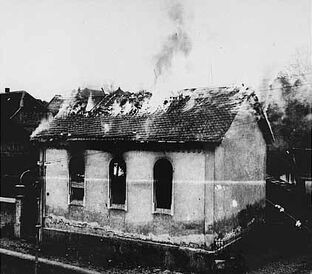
[270,249]
[279,249]
[299,264]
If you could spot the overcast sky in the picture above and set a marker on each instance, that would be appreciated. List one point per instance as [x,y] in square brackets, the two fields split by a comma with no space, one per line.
[51,47]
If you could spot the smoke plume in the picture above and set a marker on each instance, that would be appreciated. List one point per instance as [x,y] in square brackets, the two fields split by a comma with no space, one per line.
[44,125]
[177,42]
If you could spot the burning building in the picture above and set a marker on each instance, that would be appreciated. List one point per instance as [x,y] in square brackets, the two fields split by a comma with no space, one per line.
[188,171]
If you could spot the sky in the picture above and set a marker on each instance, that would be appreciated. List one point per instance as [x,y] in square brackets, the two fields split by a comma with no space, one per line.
[50,47]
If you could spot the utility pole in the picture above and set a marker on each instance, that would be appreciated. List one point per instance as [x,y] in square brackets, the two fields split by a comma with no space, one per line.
[38,192]
[36,189]
[38,226]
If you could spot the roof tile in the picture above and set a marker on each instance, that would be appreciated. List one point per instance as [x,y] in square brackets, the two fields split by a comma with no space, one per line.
[198,115]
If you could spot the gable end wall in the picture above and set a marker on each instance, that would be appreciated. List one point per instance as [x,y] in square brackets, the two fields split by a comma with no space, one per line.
[240,168]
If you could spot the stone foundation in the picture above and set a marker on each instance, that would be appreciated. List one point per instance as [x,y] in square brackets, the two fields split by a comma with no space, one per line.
[117,251]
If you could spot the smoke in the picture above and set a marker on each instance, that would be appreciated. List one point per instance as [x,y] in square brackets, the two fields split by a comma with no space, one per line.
[177,42]
[44,125]
[69,103]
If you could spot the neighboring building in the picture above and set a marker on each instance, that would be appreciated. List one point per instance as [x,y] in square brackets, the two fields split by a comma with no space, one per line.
[302,161]
[293,168]
[55,104]
[58,100]
[189,170]
[20,115]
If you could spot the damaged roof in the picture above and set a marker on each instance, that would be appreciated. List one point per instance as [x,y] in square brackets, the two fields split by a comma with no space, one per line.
[193,115]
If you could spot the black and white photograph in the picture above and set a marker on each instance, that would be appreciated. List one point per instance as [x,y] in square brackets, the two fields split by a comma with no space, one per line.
[156,136]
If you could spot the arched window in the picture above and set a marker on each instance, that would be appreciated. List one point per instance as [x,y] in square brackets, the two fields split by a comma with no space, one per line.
[163,184]
[76,177]
[117,181]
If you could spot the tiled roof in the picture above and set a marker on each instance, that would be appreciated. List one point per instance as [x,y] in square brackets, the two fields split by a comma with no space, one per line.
[193,115]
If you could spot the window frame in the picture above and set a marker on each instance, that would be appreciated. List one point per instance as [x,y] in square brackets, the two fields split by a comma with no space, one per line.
[111,205]
[72,154]
[155,209]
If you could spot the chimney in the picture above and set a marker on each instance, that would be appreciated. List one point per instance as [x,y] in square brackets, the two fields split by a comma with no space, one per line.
[7,90]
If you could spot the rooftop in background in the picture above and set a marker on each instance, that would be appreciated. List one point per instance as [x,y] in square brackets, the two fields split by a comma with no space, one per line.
[22,108]
[57,101]
[55,104]
[192,115]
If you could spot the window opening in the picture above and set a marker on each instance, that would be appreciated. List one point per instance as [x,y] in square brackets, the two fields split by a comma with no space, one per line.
[163,184]
[117,175]
[76,175]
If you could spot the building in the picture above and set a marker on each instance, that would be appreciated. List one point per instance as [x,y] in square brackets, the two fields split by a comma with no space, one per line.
[20,115]
[55,104]
[302,158]
[58,101]
[188,170]
[291,184]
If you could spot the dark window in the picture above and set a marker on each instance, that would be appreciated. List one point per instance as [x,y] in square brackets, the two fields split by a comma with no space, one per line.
[117,175]
[76,176]
[163,184]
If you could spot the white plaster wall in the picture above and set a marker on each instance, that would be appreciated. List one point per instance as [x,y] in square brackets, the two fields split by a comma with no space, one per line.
[209,191]
[240,168]
[188,185]
[138,219]
[57,179]
[139,186]
[96,181]
[189,180]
